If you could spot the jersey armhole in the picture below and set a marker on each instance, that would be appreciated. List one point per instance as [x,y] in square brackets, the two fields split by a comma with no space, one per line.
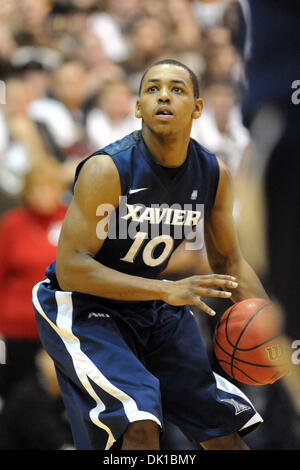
[123,181]
[215,181]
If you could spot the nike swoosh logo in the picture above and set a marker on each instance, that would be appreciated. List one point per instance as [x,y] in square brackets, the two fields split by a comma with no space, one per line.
[132,191]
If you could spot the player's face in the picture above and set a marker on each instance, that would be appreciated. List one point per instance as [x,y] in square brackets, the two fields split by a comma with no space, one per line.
[167,103]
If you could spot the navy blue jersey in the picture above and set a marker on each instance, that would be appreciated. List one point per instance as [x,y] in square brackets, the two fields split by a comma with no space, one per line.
[158,208]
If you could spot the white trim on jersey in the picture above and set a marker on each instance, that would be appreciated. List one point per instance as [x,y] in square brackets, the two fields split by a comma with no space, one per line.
[85,368]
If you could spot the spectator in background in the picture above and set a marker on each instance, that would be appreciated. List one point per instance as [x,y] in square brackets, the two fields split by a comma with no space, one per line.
[235,22]
[34,23]
[220,128]
[7,11]
[148,39]
[28,239]
[100,67]
[69,22]
[33,416]
[222,63]
[185,32]
[7,46]
[209,14]
[185,35]
[157,9]
[48,111]
[113,117]
[109,28]
[23,145]
[38,79]
[48,118]
[124,13]
[69,87]
[70,91]
[217,36]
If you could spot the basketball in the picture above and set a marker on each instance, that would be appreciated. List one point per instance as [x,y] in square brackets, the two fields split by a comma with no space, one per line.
[247,343]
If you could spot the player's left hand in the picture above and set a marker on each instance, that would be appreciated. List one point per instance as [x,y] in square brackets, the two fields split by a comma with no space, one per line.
[190,290]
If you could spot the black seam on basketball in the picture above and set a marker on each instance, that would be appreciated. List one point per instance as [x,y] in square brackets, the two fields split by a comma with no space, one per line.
[226,335]
[261,344]
[244,329]
[246,362]
[226,323]
[249,377]
[221,347]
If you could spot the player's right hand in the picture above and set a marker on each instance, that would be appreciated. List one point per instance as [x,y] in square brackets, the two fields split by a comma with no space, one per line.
[190,290]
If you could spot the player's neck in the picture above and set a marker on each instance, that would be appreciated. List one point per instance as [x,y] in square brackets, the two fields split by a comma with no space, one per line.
[168,150]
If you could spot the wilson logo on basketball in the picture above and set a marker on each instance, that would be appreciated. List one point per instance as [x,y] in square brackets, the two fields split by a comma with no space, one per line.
[274,352]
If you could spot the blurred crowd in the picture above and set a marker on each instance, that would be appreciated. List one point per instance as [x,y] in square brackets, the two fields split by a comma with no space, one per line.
[72,69]
[70,72]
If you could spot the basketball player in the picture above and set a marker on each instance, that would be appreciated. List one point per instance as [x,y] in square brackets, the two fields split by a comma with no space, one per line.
[126,347]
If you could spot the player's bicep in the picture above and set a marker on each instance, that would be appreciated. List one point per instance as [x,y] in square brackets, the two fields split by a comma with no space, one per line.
[78,233]
[97,188]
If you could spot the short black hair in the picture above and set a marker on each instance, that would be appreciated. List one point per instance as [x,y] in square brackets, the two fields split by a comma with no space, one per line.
[192,74]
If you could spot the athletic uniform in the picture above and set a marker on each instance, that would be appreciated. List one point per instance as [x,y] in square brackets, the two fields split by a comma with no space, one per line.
[122,361]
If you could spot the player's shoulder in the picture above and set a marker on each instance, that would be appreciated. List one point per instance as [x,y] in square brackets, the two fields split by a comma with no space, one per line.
[123,145]
[97,183]
[102,163]
[98,172]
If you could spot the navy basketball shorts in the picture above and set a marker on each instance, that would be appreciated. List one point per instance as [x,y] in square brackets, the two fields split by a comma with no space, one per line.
[121,362]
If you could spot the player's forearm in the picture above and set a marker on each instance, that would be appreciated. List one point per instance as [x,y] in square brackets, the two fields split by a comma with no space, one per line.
[83,274]
[249,285]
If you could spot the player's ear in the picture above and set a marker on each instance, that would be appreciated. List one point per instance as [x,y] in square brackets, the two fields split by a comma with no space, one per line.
[138,113]
[198,108]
